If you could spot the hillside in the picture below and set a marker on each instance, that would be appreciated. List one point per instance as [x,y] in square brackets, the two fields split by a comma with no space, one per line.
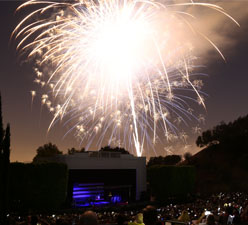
[223,164]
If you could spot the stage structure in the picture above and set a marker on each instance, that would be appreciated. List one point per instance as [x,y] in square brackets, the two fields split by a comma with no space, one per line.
[97,178]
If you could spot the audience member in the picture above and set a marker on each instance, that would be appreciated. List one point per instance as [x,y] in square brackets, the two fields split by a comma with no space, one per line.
[150,216]
[138,220]
[184,217]
[88,218]
[210,220]
[121,220]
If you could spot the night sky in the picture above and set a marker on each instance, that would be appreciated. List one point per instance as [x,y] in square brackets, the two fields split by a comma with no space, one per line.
[226,83]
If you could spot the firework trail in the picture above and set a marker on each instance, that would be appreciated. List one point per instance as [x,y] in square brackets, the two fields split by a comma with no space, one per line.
[118,70]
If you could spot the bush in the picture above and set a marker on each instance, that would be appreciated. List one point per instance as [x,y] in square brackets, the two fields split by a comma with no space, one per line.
[37,186]
[171,181]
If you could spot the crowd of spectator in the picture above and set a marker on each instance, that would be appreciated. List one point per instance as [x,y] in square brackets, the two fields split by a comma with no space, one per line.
[222,208]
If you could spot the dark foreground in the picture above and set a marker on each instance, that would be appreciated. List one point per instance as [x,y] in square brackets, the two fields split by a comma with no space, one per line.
[222,208]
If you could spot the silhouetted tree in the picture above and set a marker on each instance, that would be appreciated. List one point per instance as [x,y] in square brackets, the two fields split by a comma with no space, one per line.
[187,156]
[4,167]
[47,150]
[116,149]
[1,126]
[1,165]
[233,133]
[1,143]
[205,139]
[167,160]
[72,151]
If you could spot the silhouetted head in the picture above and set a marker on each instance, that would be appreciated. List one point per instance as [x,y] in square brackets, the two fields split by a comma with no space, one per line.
[121,219]
[211,220]
[150,215]
[88,218]
[34,220]
[139,218]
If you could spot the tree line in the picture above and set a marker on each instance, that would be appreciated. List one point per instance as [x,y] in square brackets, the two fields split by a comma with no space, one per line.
[4,166]
[229,134]
[49,150]
[232,134]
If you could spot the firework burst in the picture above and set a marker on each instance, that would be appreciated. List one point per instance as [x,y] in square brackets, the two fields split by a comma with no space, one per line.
[117,70]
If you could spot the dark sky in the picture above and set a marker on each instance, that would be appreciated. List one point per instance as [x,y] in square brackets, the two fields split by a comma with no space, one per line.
[226,84]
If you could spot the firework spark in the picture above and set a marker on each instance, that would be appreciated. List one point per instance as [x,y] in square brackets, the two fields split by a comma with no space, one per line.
[119,68]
